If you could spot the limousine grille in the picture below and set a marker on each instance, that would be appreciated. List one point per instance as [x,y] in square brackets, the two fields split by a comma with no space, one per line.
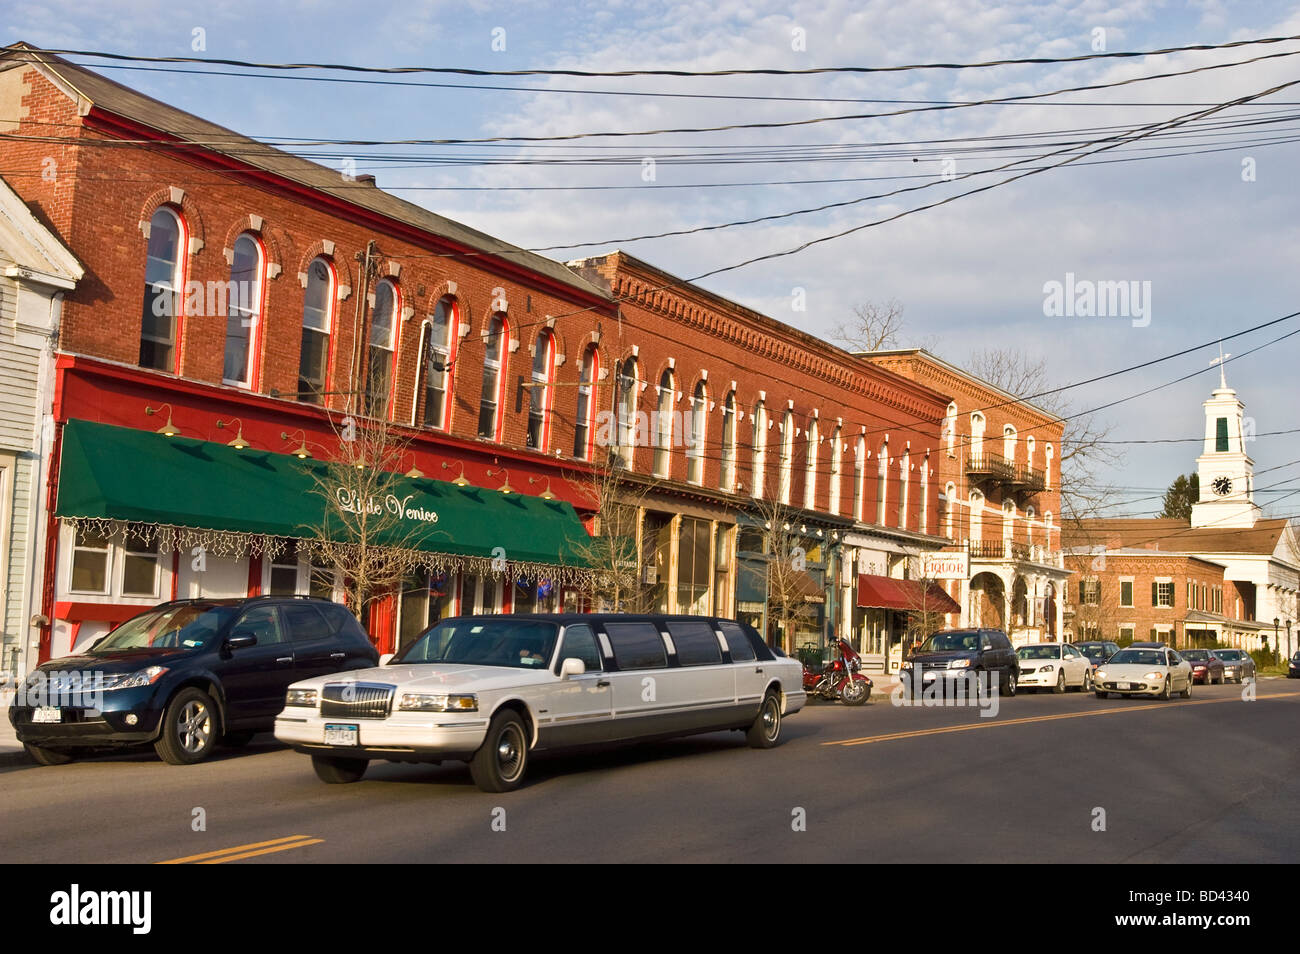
[357,700]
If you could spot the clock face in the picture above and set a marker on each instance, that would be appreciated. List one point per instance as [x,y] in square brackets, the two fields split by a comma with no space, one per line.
[1222,486]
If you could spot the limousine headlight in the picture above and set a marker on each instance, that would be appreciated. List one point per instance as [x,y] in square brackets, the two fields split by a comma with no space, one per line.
[438,702]
[300,697]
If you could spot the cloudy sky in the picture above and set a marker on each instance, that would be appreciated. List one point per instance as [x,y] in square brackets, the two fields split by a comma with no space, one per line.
[1208,220]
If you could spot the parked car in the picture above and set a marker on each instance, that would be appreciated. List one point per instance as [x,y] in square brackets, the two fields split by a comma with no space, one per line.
[1293,669]
[1237,664]
[491,690]
[962,654]
[1206,667]
[1097,651]
[1055,666]
[1150,671]
[185,676]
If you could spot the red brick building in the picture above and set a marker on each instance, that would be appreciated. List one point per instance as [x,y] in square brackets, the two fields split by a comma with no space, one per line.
[239,295]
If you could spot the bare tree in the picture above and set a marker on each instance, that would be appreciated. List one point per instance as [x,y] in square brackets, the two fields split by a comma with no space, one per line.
[926,607]
[364,535]
[1085,450]
[787,577]
[875,326]
[616,500]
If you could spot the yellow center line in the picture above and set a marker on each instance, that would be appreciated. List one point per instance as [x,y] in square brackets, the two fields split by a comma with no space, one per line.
[281,842]
[263,851]
[915,733]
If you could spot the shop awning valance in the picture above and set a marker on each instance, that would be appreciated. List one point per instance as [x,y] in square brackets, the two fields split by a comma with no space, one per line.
[919,596]
[125,475]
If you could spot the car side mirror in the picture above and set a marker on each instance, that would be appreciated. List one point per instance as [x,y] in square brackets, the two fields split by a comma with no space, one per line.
[572,667]
[386,658]
[241,639]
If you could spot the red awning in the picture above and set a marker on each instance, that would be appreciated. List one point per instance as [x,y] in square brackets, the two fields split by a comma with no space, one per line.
[921,596]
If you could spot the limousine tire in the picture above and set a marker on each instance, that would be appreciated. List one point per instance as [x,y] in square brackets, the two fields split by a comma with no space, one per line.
[766,730]
[502,759]
[338,771]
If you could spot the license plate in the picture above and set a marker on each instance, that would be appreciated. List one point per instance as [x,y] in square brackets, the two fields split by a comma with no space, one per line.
[340,734]
[1121,685]
[47,714]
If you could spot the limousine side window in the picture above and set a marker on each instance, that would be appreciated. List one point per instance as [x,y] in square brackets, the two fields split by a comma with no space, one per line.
[697,644]
[737,642]
[637,645]
[580,643]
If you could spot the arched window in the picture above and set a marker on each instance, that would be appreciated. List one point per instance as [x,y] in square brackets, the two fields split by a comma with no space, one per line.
[1008,521]
[664,424]
[1047,530]
[1009,443]
[628,384]
[759,420]
[882,484]
[728,470]
[860,479]
[699,432]
[904,484]
[976,516]
[494,358]
[539,396]
[586,404]
[380,352]
[787,452]
[1047,468]
[1029,525]
[836,463]
[810,468]
[163,283]
[317,322]
[950,509]
[950,429]
[1029,451]
[976,435]
[442,335]
[925,494]
[243,310]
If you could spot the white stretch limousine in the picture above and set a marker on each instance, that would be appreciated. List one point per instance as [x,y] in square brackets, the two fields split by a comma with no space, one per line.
[489,690]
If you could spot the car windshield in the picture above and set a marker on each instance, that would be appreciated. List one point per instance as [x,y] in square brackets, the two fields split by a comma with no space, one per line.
[1196,655]
[1232,655]
[1093,652]
[518,643]
[1138,657]
[185,626]
[1039,652]
[955,641]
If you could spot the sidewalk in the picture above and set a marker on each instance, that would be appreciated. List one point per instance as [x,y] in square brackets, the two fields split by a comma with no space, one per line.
[11,750]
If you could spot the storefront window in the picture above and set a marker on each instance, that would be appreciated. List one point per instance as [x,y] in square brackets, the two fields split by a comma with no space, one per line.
[426,598]
[140,569]
[90,563]
[657,538]
[693,565]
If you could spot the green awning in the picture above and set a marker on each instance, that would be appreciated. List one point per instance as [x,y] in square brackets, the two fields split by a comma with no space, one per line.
[122,474]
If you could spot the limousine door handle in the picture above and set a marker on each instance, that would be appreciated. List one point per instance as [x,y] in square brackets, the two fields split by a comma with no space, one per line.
[603,684]
[759,670]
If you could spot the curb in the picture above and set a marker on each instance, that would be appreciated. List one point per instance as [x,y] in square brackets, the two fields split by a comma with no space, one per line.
[10,757]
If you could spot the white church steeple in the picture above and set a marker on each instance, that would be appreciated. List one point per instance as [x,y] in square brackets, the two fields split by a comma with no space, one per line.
[1227,477]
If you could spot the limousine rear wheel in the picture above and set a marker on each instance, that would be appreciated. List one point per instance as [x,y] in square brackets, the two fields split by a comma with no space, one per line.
[500,763]
[766,730]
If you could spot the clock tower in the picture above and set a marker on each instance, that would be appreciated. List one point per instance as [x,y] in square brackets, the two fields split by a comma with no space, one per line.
[1226,474]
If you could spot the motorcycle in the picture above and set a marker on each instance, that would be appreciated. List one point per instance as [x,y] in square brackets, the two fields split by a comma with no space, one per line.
[840,679]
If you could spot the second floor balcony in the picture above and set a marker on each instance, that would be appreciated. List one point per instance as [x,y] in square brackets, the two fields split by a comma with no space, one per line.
[986,465]
[1008,550]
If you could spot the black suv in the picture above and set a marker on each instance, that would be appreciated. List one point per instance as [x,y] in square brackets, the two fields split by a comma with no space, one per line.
[184,676]
[967,655]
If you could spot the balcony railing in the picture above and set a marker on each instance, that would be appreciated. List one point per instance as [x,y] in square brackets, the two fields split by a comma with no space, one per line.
[993,466]
[1031,479]
[1009,550]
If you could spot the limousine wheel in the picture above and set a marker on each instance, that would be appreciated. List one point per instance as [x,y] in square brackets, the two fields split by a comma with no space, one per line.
[499,764]
[338,771]
[766,730]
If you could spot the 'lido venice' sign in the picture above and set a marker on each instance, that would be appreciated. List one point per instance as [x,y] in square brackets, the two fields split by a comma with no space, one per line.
[350,502]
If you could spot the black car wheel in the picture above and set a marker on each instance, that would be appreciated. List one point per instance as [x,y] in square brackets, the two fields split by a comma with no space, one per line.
[189,730]
[338,771]
[1008,684]
[1164,693]
[1060,682]
[43,756]
[500,762]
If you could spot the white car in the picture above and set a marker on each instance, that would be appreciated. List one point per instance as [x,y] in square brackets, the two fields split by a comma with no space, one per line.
[1151,670]
[1055,666]
[489,690]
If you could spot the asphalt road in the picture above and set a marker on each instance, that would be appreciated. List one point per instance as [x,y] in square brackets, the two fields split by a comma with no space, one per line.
[1213,779]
